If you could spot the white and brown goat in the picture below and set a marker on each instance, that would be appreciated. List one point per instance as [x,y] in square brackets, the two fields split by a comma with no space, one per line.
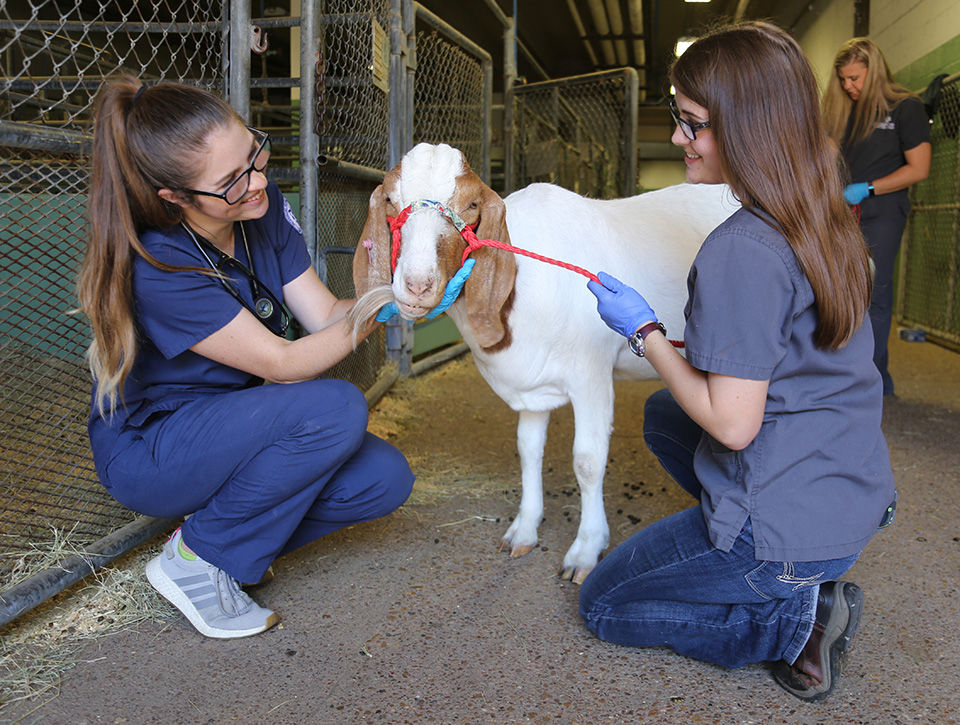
[533,327]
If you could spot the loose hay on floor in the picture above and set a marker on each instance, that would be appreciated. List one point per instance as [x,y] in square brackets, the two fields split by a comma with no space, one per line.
[37,648]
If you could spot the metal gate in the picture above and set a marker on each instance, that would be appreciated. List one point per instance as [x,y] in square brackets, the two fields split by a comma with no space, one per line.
[929,280]
[579,132]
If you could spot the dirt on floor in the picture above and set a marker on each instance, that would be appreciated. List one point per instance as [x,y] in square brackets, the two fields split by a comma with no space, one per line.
[417,618]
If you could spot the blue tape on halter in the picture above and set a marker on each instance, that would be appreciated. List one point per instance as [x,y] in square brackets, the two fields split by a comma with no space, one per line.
[450,294]
[454,286]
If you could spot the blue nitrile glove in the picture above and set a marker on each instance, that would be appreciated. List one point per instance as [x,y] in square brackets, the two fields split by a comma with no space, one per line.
[387,311]
[620,306]
[452,291]
[855,193]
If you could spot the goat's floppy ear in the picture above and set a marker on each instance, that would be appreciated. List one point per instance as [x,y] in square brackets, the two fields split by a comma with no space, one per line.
[491,283]
[371,260]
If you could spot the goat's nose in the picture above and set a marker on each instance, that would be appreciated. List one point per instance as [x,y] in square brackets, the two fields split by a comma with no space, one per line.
[419,286]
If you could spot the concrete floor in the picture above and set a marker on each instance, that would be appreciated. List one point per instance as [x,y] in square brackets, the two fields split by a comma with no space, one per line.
[417,618]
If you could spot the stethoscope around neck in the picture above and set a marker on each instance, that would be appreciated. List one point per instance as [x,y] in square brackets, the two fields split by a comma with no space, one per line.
[265,303]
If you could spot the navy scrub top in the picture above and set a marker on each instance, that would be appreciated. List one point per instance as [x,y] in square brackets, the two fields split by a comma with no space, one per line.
[816,480]
[176,310]
[882,152]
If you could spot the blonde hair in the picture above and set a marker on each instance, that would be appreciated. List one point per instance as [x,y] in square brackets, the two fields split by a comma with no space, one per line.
[776,157]
[144,139]
[879,95]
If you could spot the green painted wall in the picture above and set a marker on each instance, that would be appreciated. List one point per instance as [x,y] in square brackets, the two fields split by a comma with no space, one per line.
[945,59]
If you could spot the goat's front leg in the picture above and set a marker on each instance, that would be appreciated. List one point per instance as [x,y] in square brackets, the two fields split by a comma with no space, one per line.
[591,444]
[521,537]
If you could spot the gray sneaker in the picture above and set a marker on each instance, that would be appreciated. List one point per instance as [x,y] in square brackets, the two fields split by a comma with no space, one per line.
[209,597]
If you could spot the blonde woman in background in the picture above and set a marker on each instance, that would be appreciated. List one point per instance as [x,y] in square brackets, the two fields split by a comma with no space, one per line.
[883,132]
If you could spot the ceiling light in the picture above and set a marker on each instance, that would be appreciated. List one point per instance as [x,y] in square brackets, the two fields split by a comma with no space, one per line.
[682,44]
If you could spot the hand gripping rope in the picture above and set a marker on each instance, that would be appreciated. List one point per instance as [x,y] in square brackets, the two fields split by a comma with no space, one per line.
[473,243]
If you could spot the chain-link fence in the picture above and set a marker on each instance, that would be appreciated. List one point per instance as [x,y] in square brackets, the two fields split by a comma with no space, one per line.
[580,133]
[56,53]
[453,85]
[353,124]
[929,283]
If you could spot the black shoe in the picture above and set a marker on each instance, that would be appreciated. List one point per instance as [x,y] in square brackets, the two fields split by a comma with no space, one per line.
[813,676]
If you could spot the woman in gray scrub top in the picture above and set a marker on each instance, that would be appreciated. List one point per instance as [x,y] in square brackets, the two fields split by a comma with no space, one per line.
[772,420]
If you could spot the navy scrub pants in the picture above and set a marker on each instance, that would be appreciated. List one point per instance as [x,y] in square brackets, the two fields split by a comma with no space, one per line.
[882,223]
[263,471]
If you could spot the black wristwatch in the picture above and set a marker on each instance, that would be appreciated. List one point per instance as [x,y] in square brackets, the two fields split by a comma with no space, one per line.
[635,341]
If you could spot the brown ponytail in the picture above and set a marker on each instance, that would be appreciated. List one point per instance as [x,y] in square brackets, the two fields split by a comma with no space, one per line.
[144,139]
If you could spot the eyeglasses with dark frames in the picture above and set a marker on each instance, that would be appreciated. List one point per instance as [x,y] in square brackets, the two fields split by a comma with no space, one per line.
[689,129]
[237,188]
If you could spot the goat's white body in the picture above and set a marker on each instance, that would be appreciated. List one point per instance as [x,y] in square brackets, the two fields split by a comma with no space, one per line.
[561,350]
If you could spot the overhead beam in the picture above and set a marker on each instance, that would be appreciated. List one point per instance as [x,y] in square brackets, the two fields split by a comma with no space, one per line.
[861,18]
[582,31]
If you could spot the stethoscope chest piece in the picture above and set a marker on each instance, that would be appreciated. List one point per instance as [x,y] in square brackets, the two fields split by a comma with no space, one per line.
[264,308]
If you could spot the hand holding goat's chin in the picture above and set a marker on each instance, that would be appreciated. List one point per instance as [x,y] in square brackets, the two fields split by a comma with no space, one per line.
[362,317]
[533,327]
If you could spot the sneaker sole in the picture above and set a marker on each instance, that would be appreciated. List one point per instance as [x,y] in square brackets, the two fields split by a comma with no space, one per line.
[173,594]
[839,632]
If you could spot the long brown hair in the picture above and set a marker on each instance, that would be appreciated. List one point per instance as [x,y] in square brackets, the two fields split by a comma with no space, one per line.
[879,95]
[762,100]
[145,138]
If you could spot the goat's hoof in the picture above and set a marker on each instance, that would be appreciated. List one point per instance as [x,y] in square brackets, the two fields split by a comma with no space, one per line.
[575,574]
[515,549]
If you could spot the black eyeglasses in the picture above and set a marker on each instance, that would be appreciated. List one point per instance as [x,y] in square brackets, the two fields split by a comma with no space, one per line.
[689,129]
[266,307]
[237,188]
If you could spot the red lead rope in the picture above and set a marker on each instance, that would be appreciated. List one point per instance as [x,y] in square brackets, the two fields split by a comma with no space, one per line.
[473,244]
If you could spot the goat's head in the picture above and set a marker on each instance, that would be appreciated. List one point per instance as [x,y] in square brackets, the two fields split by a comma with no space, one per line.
[431,248]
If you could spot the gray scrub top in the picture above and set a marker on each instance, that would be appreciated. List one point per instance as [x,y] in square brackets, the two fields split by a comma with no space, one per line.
[816,480]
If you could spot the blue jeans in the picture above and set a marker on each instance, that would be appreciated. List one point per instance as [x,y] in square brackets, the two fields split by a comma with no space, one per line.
[667,585]
[263,470]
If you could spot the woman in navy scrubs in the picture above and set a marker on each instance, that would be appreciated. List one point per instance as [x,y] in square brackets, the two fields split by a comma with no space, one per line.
[883,132]
[192,257]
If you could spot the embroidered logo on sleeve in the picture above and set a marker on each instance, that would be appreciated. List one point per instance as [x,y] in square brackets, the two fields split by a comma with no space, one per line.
[887,124]
[291,217]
